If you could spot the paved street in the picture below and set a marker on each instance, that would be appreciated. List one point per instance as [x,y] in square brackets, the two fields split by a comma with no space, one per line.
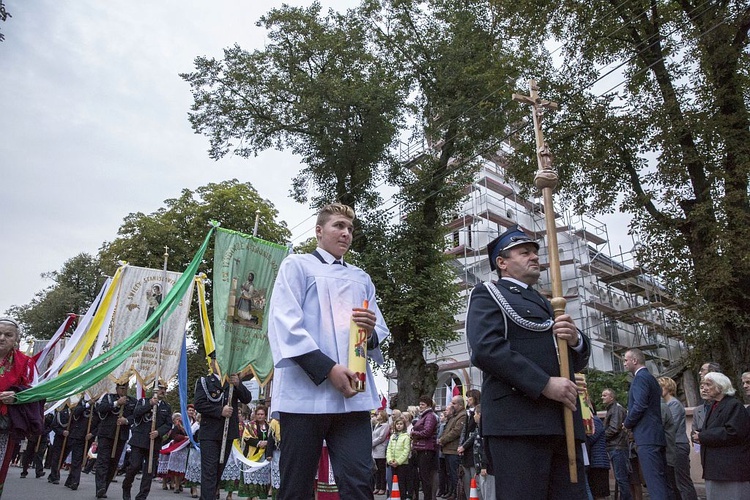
[33,489]
[39,489]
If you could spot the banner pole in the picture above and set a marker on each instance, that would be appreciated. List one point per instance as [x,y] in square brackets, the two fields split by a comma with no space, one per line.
[158,368]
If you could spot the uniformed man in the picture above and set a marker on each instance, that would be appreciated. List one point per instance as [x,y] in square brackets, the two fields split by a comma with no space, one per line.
[36,448]
[59,448]
[142,437]
[79,433]
[512,334]
[115,413]
[212,402]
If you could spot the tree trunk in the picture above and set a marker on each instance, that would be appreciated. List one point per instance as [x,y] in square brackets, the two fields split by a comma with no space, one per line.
[416,377]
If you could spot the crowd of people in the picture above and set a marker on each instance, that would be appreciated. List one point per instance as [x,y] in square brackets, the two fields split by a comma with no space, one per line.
[334,447]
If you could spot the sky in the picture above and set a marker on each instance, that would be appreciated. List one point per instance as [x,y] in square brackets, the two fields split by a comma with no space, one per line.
[93,124]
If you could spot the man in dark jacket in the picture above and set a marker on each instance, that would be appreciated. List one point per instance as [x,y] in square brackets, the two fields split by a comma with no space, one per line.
[513,336]
[143,437]
[59,447]
[79,434]
[213,404]
[115,413]
[37,446]
[616,438]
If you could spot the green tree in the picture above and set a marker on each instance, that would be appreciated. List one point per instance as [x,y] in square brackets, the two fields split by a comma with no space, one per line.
[314,89]
[455,63]
[74,288]
[181,225]
[668,141]
[597,381]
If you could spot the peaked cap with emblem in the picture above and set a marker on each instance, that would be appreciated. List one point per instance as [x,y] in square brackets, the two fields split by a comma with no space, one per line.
[513,237]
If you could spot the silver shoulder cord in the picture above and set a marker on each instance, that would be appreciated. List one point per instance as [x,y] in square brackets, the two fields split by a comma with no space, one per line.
[208,394]
[102,416]
[509,312]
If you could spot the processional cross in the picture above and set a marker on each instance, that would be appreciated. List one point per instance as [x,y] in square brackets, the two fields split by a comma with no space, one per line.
[546,181]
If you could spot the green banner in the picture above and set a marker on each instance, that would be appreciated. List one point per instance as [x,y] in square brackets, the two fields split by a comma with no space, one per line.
[245,269]
[81,378]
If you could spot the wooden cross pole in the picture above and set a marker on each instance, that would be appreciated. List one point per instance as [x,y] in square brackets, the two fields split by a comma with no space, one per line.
[546,181]
[155,410]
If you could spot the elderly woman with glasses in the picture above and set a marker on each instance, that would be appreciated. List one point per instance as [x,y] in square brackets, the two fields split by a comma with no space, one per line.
[16,373]
[724,441]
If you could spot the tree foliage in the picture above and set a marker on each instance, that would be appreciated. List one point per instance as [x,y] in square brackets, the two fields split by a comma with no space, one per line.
[315,89]
[666,138]
[457,69]
[74,288]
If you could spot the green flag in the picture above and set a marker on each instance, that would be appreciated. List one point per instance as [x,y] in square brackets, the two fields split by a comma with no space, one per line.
[245,269]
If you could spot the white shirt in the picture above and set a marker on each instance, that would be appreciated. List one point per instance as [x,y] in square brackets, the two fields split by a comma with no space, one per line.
[310,309]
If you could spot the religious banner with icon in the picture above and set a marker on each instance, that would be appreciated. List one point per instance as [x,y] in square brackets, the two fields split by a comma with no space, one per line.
[141,292]
[245,269]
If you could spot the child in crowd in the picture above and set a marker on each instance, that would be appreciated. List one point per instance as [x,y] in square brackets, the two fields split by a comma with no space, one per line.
[397,455]
[485,479]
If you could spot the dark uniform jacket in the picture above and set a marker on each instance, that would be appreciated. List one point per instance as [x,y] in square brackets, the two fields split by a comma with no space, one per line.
[210,398]
[108,413]
[517,364]
[80,423]
[60,422]
[142,418]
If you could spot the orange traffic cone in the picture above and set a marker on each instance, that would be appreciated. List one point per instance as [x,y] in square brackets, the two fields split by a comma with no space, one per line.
[394,488]
[473,494]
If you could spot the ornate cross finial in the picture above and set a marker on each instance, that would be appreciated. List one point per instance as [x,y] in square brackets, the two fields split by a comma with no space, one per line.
[546,177]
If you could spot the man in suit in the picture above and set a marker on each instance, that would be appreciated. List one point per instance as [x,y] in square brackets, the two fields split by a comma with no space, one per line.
[644,419]
[316,298]
[212,402]
[513,336]
[115,413]
[142,438]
